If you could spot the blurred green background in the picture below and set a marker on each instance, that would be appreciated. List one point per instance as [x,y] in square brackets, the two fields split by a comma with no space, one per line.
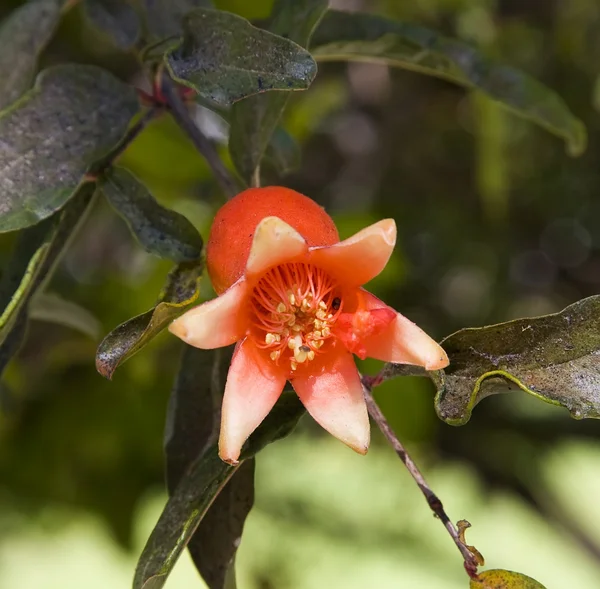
[495,222]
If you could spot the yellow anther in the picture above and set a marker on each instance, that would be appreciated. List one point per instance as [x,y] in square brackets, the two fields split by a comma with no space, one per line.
[270,338]
[321,314]
[317,334]
[292,344]
[326,332]
[300,355]
[311,355]
[281,308]
[275,355]
[305,306]
[317,344]
[322,305]
[294,365]
[291,297]
[296,327]
[292,321]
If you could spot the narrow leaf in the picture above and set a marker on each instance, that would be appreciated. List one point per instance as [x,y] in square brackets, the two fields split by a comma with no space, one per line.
[116,18]
[503,579]
[283,152]
[224,58]
[52,308]
[207,477]
[357,36]
[254,120]
[164,17]
[180,292]
[556,358]
[193,419]
[36,253]
[51,136]
[160,231]
[23,36]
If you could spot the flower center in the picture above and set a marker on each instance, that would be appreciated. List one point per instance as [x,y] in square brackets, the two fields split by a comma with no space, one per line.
[294,307]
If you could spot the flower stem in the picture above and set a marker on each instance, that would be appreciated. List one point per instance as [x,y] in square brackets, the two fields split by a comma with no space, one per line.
[470,560]
[180,113]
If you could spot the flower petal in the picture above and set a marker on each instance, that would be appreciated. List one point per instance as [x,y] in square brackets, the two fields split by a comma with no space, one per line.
[253,386]
[361,257]
[274,242]
[216,323]
[335,400]
[402,341]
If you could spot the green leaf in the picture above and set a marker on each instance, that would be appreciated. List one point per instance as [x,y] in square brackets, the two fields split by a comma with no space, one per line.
[160,231]
[52,308]
[368,37]
[193,418]
[204,480]
[181,291]
[254,120]
[36,253]
[116,18]
[51,136]
[503,579]
[224,58]
[23,36]
[283,152]
[163,17]
[556,358]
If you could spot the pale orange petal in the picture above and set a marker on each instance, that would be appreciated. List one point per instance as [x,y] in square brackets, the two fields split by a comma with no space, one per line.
[275,242]
[216,323]
[253,386]
[361,257]
[402,342]
[335,400]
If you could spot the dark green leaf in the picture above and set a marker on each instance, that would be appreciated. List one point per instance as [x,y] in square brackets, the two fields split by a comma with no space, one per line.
[193,419]
[254,120]
[556,358]
[116,18]
[23,36]
[52,308]
[163,17]
[224,58]
[52,135]
[35,255]
[356,36]
[160,231]
[204,480]
[283,152]
[180,292]
[503,579]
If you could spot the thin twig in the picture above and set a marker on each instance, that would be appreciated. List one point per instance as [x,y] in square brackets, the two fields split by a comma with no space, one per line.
[433,501]
[180,113]
[129,137]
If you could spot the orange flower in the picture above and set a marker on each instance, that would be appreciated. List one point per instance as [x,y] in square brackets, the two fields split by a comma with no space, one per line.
[290,294]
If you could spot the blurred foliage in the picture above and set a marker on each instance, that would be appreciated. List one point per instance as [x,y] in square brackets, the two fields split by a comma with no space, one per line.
[495,223]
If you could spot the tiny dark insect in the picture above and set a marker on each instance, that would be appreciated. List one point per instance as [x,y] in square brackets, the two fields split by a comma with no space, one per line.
[335,305]
[304,349]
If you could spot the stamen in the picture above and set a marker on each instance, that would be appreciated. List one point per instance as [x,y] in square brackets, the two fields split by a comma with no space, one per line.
[294,306]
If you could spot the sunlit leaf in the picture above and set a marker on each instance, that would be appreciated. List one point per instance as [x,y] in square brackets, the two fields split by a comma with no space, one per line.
[164,17]
[502,579]
[160,231]
[556,358]
[224,58]
[23,36]
[368,37]
[116,18]
[51,136]
[180,292]
[204,480]
[52,308]
[35,254]
[254,120]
